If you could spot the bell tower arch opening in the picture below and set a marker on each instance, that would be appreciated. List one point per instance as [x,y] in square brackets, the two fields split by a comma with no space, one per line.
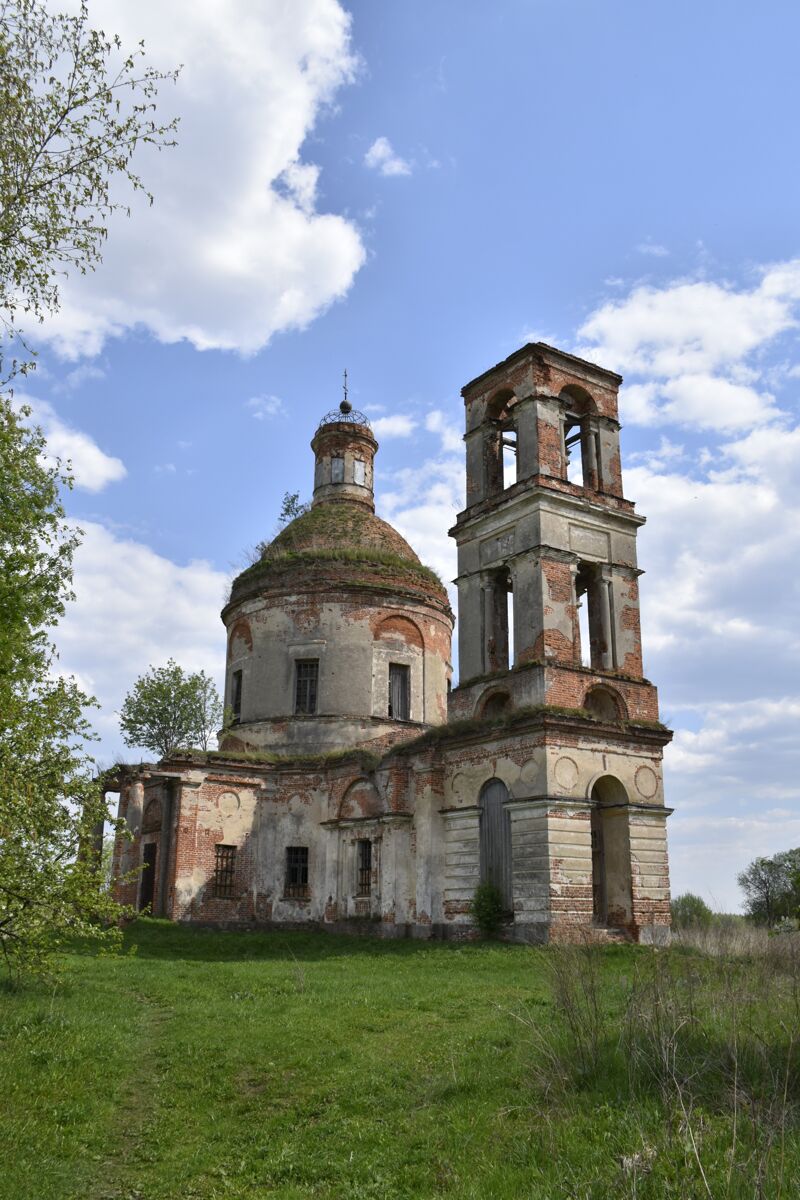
[500,445]
[612,884]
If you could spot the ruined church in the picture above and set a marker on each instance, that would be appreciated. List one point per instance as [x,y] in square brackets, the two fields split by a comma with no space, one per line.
[356,789]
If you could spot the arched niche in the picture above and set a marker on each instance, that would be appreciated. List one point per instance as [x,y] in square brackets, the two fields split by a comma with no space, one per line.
[494,704]
[151,820]
[612,885]
[400,630]
[605,705]
[240,639]
[495,839]
[361,799]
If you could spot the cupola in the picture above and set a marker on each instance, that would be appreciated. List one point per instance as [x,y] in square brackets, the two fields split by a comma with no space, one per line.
[344,448]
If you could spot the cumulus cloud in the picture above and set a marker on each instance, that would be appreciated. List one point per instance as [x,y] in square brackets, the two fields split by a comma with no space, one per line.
[235,247]
[653,249]
[381,158]
[692,327]
[398,425]
[91,467]
[449,431]
[137,608]
[264,407]
[706,373]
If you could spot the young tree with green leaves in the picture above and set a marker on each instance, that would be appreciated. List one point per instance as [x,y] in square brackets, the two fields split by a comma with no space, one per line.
[170,709]
[772,887]
[74,108]
[49,800]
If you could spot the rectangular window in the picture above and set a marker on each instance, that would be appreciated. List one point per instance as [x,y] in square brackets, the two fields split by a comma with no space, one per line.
[364,877]
[236,695]
[305,685]
[296,872]
[359,472]
[399,701]
[224,871]
[337,470]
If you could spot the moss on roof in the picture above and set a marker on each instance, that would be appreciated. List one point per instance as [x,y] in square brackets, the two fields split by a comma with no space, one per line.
[336,524]
[347,533]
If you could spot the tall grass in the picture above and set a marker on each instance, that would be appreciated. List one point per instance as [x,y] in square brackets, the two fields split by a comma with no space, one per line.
[702,1045]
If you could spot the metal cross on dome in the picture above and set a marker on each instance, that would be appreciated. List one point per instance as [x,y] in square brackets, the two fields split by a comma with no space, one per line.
[345,406]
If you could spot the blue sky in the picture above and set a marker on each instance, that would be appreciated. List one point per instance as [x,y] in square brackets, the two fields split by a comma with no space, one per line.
[412,190]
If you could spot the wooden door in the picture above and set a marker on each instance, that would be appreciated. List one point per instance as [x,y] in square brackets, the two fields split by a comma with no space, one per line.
[495,843]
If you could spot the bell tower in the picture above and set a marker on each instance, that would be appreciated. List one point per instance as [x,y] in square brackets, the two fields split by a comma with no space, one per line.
[549,631]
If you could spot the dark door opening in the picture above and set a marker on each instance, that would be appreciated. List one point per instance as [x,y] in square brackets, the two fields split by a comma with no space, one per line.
[495,840]
[147,887]
[599,901]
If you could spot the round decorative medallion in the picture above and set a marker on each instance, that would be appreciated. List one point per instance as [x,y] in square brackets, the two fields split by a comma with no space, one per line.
[228,803]
[457,785]
[530,771]
[566,773]
[646,782]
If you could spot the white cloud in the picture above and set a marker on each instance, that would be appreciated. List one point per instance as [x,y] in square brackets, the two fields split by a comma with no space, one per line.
[134,608]
[653,249]
[450,432]
[234,248]
[423,504]
[691,327]
[719,597]
[91,467]
[398,425]
[264,407]
[382,158]
[74,379]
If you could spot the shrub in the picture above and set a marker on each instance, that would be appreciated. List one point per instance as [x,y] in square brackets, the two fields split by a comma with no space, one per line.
[690,912]
[487,909]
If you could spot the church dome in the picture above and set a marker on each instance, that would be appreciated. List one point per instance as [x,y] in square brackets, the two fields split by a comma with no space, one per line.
[346,543]
[338,636]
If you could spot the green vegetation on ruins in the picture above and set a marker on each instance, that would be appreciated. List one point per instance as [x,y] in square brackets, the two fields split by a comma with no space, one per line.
[208,1065]
[338,532]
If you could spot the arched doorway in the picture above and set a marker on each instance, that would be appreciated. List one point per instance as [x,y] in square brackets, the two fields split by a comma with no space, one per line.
[495,841]
[612,891]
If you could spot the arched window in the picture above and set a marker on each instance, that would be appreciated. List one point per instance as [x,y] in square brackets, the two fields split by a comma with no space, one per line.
[495,839]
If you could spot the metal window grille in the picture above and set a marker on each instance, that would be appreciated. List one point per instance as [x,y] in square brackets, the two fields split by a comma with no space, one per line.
[296,871]
[224,872]
[399,707]
[364,880]
[236,695]
[305,690]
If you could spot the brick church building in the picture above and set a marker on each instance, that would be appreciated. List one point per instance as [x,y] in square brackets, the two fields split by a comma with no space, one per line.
[355,788]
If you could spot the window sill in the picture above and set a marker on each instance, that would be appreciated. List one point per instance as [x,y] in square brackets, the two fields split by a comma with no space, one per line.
[297,899]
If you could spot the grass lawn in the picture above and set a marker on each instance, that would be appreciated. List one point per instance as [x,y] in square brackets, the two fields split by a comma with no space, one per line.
[220,1065]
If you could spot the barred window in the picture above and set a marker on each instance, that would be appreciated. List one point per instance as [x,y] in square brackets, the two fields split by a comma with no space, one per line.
[399,706]
[364,880]
[305,685]
[224,871]
[296,871]
[236,695]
